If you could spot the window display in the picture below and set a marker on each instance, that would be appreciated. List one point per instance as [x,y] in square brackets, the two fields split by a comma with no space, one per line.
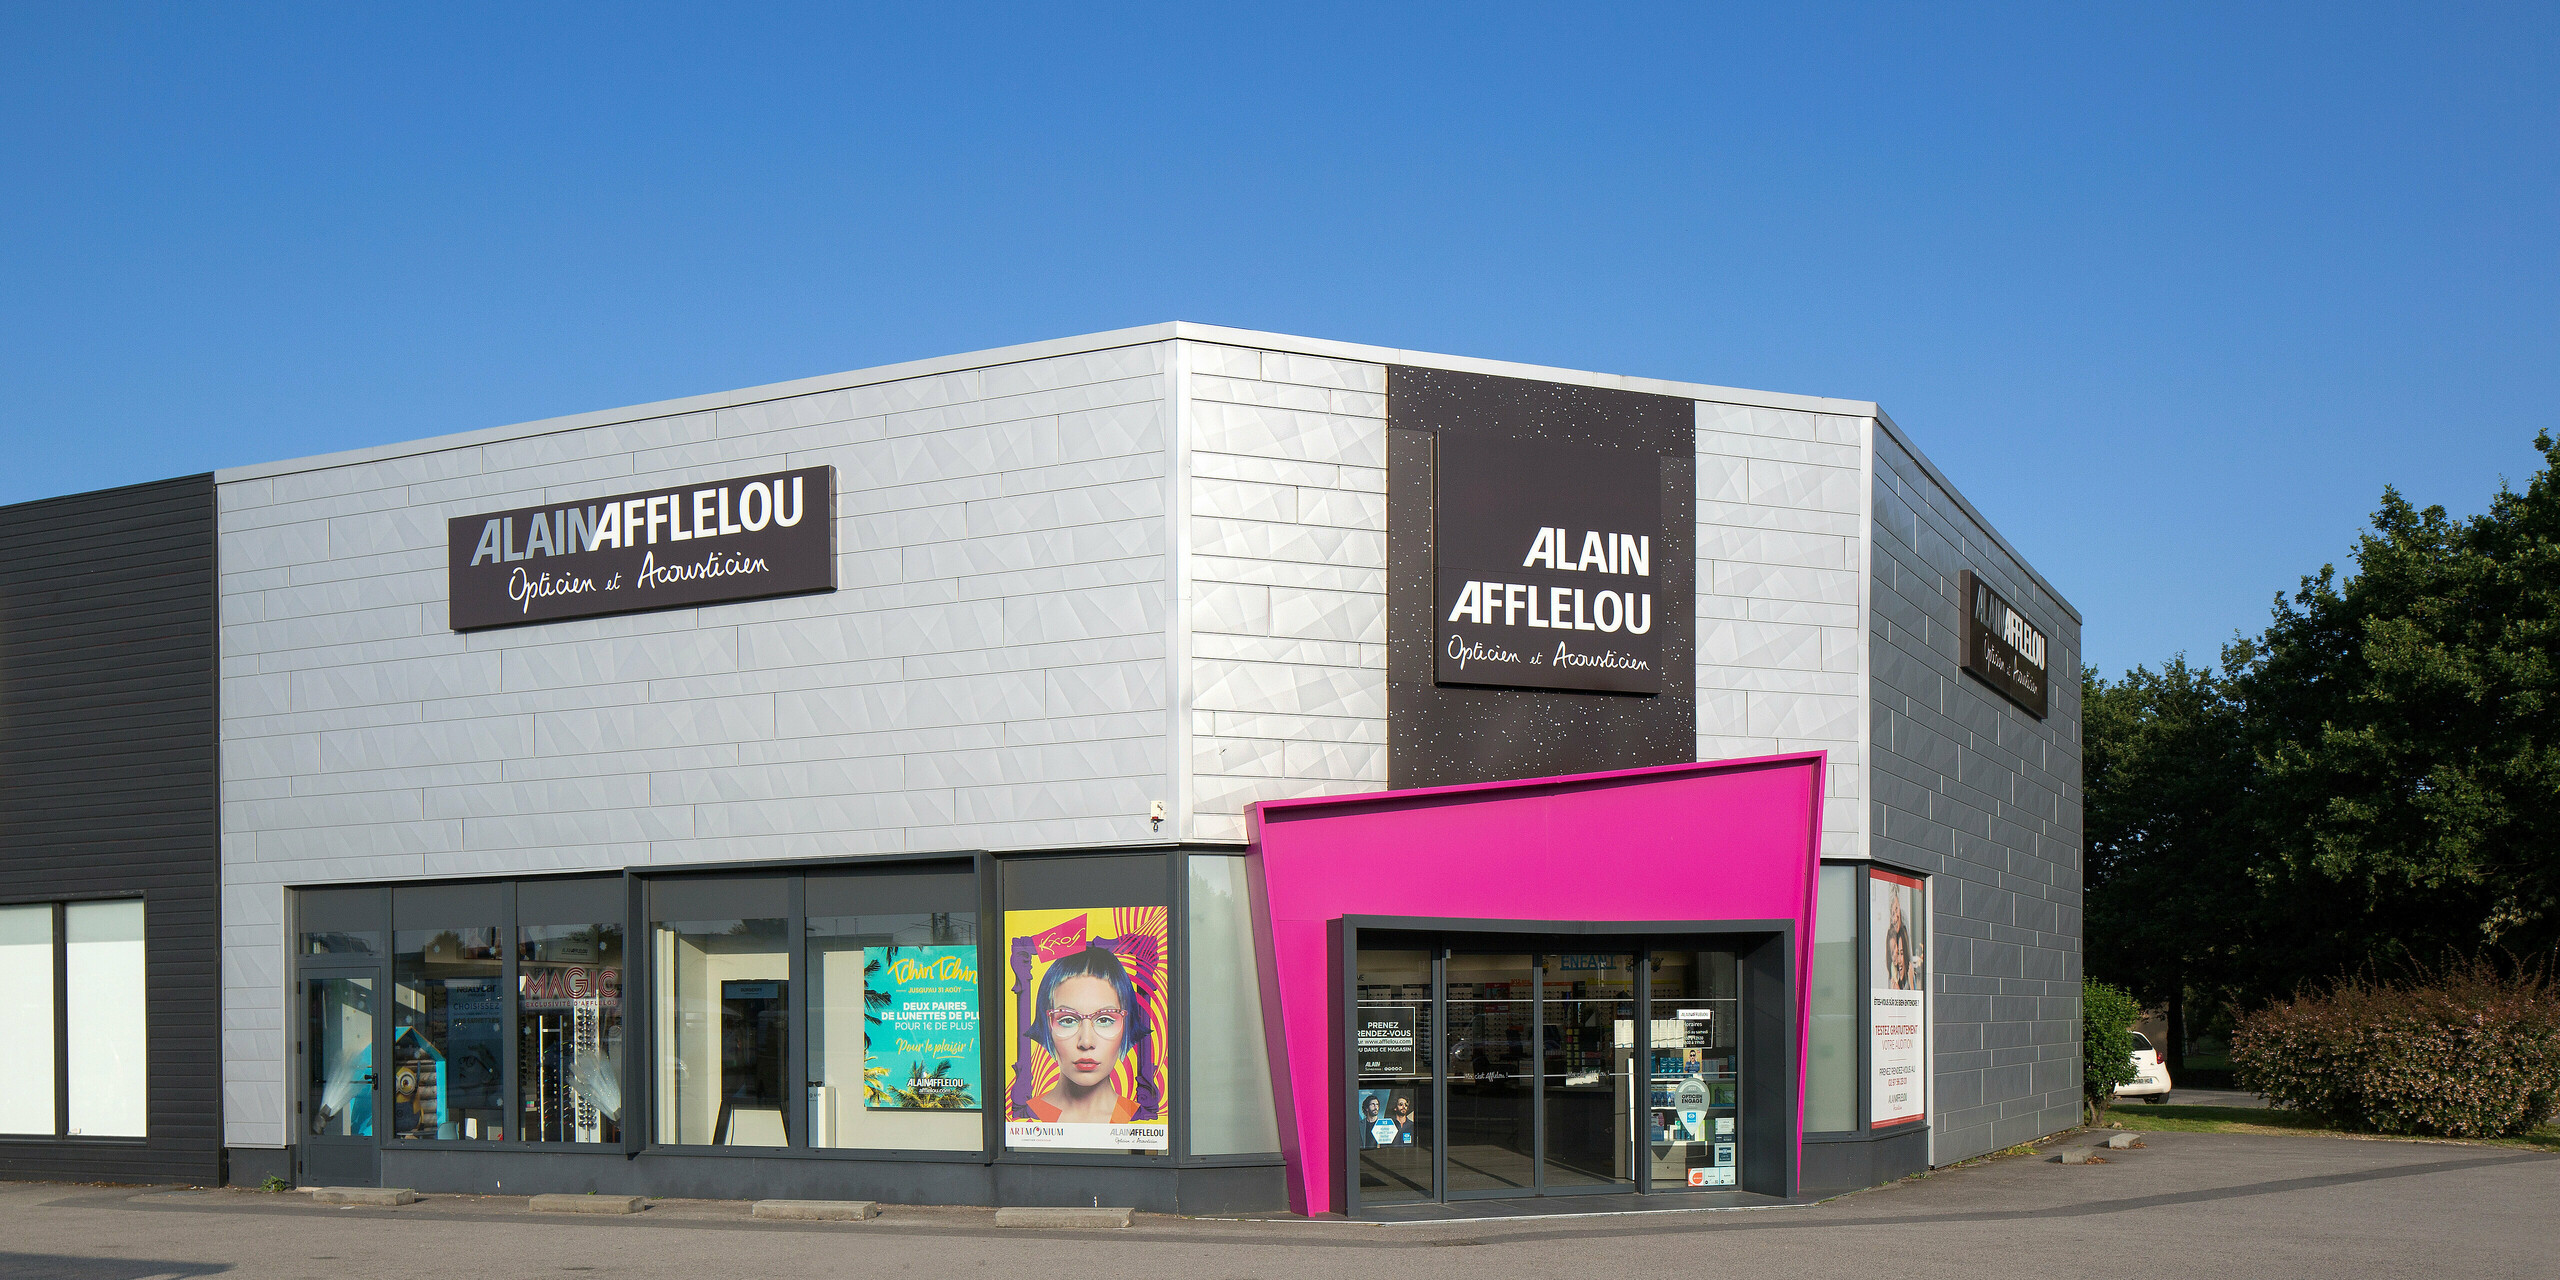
[894,1049]
[1697,1069]
[723,1012]
[1897,995]
[569,1039]
[446,1034]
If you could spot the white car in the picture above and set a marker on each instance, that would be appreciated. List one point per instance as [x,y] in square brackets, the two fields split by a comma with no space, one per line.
[2151,1073]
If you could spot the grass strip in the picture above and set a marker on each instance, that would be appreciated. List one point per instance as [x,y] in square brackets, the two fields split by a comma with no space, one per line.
[2171,1118]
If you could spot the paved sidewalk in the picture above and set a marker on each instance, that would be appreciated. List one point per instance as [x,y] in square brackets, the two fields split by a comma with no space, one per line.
[2189,1204]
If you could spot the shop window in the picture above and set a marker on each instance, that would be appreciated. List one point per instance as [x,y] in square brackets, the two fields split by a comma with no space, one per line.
[1087,1014]
[1231,1108]
[1831,1052]
[84,1075]
[448,1014]
[894,1053]
[1696,1098]
[723,1026]
[109,1075]
[1897,998]
[26,1019]
[570,969]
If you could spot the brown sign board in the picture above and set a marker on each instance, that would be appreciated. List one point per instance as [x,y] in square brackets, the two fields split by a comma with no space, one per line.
[2001,647]
[1543,560]
[747,538]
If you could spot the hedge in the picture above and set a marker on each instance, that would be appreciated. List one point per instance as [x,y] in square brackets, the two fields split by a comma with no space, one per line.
[2107,1015]
[2469,1051]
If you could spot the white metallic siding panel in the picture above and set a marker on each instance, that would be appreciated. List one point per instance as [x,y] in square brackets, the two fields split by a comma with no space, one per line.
[992,670]
[1288,580]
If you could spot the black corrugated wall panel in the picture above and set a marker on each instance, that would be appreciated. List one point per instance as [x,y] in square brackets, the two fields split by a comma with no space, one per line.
[109,761]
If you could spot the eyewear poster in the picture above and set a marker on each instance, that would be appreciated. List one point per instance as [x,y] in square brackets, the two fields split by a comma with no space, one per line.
[1897,989]
[920,1029]
[1085,1063]
[1386,1118]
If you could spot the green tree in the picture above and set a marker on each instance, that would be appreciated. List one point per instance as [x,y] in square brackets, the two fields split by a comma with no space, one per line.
[2170,872]
[2406,723]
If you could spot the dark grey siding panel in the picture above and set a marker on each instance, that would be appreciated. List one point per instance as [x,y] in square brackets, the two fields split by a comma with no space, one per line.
[108,770]
[1986,799]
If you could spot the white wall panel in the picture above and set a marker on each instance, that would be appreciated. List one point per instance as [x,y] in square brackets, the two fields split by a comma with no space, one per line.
[1781,520]
[1288,556]
[991,670]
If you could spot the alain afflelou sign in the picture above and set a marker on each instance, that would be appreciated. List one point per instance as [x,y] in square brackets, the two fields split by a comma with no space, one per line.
[2001,647]
[742,539]
[1543,560]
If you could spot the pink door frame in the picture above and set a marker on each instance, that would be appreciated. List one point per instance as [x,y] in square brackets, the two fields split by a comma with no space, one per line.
[1589,847]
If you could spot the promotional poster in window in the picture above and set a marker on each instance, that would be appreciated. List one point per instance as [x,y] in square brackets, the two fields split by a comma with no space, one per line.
[920,1029]
[1086,1064]
[1897,995]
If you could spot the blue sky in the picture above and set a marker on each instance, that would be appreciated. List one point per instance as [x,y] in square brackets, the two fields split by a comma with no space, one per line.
[2171,292]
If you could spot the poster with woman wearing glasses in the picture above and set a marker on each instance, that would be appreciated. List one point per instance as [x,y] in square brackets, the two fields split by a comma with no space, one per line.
[1086,1066]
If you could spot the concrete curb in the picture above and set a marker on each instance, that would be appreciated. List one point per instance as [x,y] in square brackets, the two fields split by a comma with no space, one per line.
[1073,1218]
[816,1210]
[586,1204]
[372,1197]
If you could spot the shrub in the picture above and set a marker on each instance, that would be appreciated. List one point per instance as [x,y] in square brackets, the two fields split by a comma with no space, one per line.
[2107,1016]
[2463,1052]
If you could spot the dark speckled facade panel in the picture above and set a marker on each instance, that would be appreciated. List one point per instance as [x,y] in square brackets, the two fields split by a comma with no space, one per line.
[1439,735]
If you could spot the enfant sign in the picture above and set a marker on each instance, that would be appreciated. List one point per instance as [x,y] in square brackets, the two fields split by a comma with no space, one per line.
[2001,647]
[1543,558]
[742,539]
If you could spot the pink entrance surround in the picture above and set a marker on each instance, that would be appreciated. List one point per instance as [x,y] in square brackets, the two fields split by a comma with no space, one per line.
[1728,840]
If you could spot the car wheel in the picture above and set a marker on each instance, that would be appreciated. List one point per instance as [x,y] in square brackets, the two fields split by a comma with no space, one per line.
[2157,1098]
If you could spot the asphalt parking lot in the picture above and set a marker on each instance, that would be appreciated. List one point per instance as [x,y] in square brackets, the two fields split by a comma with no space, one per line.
[2187,1204]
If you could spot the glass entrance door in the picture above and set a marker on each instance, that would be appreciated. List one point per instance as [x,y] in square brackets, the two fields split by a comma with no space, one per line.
[1587,1082]
[1490,1070]
[338,1146]
[1395,1105]
[1493,1074]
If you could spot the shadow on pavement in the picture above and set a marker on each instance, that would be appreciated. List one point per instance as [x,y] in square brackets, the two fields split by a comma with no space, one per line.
[52,1266]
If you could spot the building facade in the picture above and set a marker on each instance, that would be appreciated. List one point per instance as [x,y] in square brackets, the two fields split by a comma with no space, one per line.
[963,819]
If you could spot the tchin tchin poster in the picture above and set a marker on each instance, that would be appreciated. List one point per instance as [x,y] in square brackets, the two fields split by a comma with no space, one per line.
[1086,1064]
